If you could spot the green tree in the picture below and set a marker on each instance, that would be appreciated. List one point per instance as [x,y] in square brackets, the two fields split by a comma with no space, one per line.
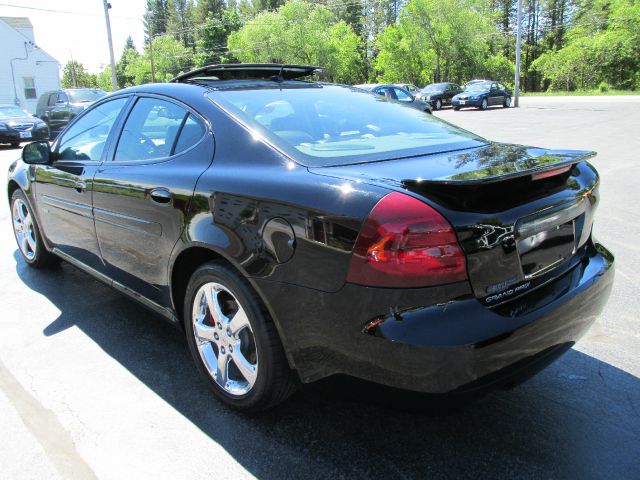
[204,8]
[182,21]
[157,17]
[129,54]
[103,79]
[74,75]
[602,47]
[171,59]
[212,41]
[435,40]
[301,32]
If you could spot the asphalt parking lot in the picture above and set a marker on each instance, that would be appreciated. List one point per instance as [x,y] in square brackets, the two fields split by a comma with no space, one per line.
[91,385]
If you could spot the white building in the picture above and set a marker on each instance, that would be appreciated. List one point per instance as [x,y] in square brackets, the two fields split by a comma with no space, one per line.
[26,70]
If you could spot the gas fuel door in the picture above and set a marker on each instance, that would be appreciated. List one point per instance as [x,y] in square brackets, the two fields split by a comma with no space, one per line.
[279,239]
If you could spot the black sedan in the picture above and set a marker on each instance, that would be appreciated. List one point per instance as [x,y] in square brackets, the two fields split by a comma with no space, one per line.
[394,92]
[17,126]
[483,95]
[439,94]
[296,230]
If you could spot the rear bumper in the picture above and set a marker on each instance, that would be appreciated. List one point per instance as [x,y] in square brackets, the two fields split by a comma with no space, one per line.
[451,345]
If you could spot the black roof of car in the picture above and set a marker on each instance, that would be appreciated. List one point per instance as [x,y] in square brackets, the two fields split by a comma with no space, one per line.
[247,71]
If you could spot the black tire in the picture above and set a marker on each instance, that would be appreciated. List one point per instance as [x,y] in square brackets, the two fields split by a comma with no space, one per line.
[438,104]
[456,108]
[15,144]
[274,381]
[484,104]
[42,258]
[507,102]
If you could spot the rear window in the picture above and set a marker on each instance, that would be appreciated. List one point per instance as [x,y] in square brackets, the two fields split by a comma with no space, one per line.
[83,96]
[322,125]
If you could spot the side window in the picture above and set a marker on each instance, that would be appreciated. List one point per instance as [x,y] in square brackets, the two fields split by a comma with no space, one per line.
[192,131]
[62,98]
[402,95]
[501,87]
[85,139]
[150,130]
[494,86]
[386,92]
[53,98]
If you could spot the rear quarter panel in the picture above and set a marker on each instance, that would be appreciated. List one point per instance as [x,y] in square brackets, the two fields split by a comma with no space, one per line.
[250,183]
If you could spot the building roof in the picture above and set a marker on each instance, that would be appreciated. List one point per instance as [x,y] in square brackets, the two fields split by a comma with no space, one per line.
[17,22]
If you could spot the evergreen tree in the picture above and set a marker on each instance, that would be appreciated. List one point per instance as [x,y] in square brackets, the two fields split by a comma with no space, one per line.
[212,42]
[156,17]
[182,21]
[129,54]
[206,7]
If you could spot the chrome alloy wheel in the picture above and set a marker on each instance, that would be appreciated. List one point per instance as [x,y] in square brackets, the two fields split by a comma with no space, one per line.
[225,339]
[24,229]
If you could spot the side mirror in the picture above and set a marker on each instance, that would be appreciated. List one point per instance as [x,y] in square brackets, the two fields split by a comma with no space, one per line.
[36,153]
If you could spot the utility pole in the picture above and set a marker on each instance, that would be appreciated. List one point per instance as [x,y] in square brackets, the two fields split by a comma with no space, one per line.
[516,98]
[114,80]
[153,64]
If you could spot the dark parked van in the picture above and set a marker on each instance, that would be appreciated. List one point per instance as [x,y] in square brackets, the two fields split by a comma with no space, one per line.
[58,107]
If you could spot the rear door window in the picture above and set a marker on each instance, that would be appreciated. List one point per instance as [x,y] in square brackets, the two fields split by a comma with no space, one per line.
[386,92]
[402,95]
[151,130]
[191,133]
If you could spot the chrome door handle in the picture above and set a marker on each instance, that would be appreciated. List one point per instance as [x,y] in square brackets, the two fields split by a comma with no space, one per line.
[80,186]
[160,195]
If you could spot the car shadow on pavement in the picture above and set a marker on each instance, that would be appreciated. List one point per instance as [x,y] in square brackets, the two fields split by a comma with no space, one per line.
[578,419]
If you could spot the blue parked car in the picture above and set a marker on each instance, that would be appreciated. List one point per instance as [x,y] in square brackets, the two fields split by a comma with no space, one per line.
[483,95]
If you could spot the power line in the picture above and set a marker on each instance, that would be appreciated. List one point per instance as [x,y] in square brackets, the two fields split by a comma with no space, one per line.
[86,14]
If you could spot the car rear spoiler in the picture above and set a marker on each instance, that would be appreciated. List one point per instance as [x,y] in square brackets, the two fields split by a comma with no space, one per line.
[247,71]
[506,162]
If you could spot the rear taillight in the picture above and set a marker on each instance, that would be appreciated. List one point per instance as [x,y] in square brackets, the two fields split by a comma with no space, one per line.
[406,243]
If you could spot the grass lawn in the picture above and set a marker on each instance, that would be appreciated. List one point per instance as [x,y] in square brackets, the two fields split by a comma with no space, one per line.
[579,93]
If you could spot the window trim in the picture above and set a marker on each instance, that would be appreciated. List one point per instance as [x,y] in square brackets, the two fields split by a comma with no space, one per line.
[110,160]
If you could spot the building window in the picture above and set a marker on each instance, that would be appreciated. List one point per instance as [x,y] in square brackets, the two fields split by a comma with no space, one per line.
[29,88]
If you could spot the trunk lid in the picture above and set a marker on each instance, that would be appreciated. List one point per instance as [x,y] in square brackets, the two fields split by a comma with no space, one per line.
[522,215]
